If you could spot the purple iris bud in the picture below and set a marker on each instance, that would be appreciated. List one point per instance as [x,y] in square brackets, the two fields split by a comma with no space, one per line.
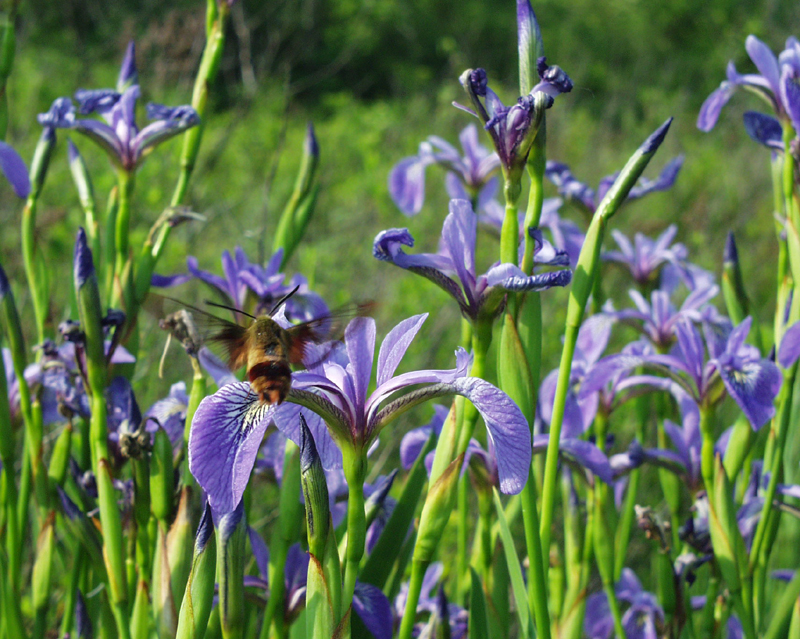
[83,622]
[128,75]
[764,129]
[730,254]
[655,139]
[13,167]
[83,265]
[478,82]
[311,145]
[5,287]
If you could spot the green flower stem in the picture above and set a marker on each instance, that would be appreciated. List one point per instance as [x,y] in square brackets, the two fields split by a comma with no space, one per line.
[113,549]
[625,526]
[792,212]
[8,486]
[196,395]
[8,42]
[582,283]
[109,244]
[31,260]
[217,16]
[418,568]
[287,531]
[355,469]
[603,538]
[123,276]
[462,538]
[509,233]
[537,161]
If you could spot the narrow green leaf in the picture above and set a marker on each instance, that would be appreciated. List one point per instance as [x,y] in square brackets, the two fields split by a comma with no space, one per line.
[515,572]
[478,618]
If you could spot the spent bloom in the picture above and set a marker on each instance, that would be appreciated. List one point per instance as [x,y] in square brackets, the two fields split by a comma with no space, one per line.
[513,128]
[477,295]
[228,426]
[118,134]
[470,175]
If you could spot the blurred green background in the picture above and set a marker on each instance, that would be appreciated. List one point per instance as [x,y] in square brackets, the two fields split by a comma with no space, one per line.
[376,78]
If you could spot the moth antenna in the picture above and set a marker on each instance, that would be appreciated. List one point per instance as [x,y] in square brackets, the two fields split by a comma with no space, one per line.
[164,357]
[230,308]
[283,299]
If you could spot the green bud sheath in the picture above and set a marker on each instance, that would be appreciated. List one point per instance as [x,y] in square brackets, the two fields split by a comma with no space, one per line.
[231,559]
[59,460]
[199,593]
[162,478]
[439,503]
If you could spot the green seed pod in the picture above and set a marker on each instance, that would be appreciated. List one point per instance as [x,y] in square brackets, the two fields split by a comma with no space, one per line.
[162,478]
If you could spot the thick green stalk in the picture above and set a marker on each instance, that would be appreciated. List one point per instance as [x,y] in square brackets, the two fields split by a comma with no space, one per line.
[123,265]
[8,42]
[509,234]
[355,468]
[418,568]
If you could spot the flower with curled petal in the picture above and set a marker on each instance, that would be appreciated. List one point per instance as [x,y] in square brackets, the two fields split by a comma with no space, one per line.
[228,426]
[118,134]
[477,295]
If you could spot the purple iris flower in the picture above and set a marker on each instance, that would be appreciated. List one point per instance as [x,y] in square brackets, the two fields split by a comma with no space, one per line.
[468,176]
[432,602]
[573,190]
[512,128]
[764,129]
[687,438]
[119,134]
[643,619]
[645,256]
[245,281]
[477,295]
[228,426]
[657,319]
[775,83]
[752,381]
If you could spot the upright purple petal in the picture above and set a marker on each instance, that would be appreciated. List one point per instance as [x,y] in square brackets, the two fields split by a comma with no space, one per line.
[765,61]
[226,434]
[395,345]
[359,338]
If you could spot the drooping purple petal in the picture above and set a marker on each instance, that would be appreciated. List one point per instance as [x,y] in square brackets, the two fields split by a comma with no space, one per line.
[260,552]
[754,387]
[581,452]
[407,184]
[287,419]
[372,606]
[507,428]
[167,281]
[709,112]
[225,437]
[764,129]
